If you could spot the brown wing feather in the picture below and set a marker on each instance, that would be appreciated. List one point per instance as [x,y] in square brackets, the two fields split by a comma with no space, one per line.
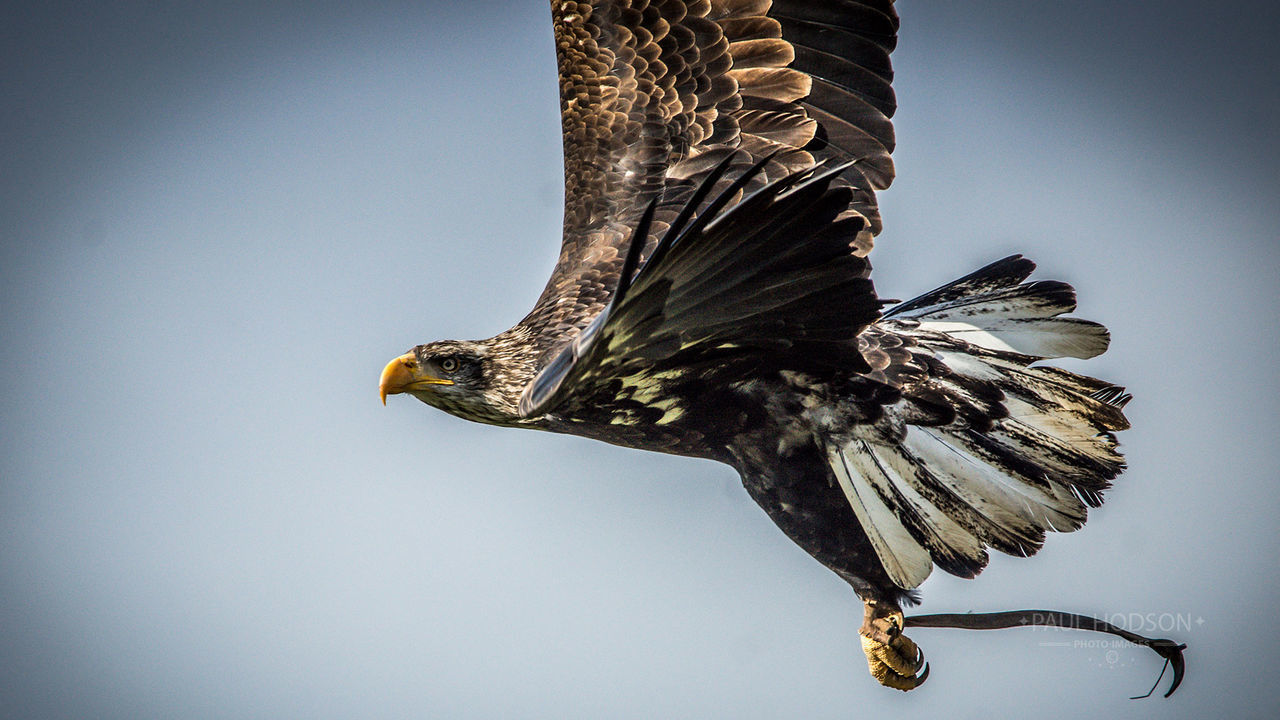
[654,93]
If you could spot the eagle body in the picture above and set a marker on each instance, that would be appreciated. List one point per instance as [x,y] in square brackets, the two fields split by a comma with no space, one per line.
[713,298]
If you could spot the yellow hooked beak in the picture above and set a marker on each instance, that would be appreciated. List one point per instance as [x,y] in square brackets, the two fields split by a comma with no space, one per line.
[404,375]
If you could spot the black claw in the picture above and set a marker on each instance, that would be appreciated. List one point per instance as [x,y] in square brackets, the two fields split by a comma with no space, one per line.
[1179,667]
[1172,654]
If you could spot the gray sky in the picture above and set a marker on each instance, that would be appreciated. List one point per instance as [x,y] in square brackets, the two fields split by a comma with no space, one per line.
[219,221]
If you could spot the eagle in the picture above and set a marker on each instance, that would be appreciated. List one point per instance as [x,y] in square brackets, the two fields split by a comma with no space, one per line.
[713,298]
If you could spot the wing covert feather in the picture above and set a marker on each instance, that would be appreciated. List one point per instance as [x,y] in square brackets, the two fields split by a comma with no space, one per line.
[655,93]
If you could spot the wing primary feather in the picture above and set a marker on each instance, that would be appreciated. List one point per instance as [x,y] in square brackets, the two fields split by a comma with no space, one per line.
[677,225]
[808,178]
[815,178]
[723,198]
[638,238]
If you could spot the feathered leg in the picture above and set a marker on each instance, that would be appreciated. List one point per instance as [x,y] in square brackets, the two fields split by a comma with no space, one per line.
[894,660]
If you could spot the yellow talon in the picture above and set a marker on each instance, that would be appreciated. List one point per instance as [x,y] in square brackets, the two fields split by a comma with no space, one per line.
[896,665]
[894,660]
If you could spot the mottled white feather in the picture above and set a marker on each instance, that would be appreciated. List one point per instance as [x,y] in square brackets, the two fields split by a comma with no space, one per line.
[905,560]
[888,469]
[1041,337]
[968,470]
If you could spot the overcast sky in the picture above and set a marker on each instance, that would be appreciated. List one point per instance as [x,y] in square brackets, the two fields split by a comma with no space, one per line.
[218,221]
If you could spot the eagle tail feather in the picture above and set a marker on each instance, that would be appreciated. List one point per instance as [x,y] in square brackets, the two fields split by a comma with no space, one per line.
[1022,450]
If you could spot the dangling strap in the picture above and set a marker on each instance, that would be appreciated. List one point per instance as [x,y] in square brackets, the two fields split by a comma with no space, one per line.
[1167,649]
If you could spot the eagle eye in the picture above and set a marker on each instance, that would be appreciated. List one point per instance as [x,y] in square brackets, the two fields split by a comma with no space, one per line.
[449,364]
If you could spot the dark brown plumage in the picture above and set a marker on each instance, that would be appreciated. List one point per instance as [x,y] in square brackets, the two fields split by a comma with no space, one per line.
[712,298]
[655,95]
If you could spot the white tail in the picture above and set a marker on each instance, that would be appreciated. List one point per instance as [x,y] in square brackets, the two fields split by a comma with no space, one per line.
[983,450]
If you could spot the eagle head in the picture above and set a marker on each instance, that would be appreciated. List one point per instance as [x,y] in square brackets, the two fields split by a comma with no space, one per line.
[470,379]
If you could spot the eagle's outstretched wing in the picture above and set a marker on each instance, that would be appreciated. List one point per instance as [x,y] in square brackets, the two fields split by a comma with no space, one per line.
[656,93]
[768,284]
